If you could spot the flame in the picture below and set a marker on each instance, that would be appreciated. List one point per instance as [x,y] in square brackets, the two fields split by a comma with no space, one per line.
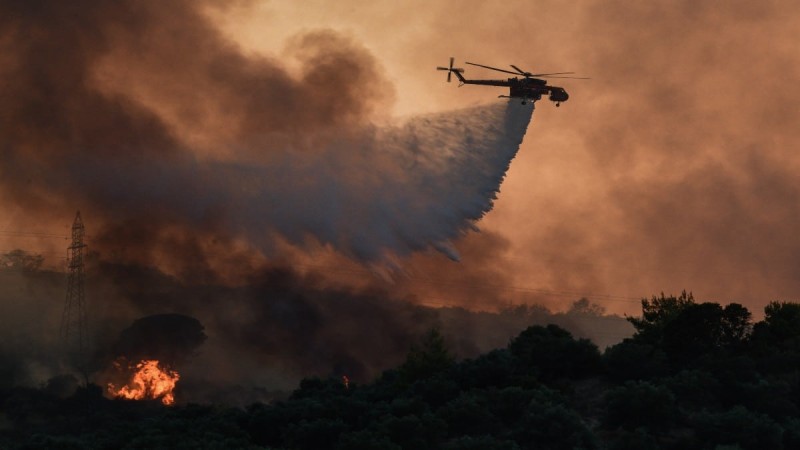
[148,382]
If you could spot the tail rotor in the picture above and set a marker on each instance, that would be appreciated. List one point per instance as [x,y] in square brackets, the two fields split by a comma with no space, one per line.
[450,69]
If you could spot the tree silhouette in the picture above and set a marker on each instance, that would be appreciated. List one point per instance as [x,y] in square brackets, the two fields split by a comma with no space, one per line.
[657,313]
[780,328]
[21,260]
[427,359]
[551,352]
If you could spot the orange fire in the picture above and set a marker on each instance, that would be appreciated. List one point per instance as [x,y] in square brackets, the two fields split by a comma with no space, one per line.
[148,382]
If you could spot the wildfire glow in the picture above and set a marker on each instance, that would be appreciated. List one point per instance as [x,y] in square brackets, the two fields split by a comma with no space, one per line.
[148,382]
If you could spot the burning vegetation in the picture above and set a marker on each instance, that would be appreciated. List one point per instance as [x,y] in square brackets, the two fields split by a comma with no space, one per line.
[148,380]
[159,343]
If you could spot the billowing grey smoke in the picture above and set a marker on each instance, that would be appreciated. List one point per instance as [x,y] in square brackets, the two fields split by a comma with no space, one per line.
[380,192]
[148,118]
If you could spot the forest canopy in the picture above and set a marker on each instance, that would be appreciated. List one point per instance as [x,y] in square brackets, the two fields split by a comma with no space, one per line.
[694,375]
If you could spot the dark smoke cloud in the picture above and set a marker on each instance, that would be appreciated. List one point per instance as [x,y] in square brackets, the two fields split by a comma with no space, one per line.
[70,140]
[147,117]
[168,338]
[281,320]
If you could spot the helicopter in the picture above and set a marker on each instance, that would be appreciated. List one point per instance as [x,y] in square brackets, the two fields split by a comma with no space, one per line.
[528,88]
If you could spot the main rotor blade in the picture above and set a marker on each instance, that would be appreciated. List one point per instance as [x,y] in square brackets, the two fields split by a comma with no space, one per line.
[553,73]
[571,78]
[521,72]
[493,68]
[451,62]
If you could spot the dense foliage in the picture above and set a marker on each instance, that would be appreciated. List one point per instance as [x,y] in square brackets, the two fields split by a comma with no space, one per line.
[693,376]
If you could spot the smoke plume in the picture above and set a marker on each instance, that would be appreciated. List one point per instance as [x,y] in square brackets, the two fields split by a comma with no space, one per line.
[167,134]
[169,338]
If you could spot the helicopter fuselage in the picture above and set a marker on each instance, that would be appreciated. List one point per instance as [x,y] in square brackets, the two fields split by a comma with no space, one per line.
[531,89]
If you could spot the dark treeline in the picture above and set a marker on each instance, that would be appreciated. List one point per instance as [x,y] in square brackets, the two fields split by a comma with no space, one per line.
[693,376]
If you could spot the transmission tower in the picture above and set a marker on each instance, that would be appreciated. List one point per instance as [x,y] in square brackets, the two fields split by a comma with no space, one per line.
[74,331]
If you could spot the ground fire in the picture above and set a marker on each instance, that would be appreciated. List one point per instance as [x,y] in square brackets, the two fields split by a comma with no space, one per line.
[148,381]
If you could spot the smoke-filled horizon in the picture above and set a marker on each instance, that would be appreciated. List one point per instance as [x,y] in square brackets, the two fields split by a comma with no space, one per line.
[243,344]
[669,170]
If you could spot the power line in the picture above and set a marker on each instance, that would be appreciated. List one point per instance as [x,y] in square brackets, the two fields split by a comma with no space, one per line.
[32,234]
[523,289]
[33,252]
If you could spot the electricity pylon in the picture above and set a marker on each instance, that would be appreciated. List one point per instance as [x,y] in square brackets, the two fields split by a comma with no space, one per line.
[74,329]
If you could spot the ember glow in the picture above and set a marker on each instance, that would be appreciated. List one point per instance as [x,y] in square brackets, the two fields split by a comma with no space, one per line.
[149,381]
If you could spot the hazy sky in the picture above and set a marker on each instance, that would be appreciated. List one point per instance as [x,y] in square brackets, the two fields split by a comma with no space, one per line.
[675,167]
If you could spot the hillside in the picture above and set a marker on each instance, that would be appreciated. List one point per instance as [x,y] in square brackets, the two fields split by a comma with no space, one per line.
[694,375]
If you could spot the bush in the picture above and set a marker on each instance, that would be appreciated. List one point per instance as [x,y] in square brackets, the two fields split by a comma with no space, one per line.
[632,360]
[738,426]
[640,404]
[551,353]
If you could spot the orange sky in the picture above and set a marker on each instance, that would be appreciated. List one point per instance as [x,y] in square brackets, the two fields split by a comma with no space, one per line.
[674,168]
